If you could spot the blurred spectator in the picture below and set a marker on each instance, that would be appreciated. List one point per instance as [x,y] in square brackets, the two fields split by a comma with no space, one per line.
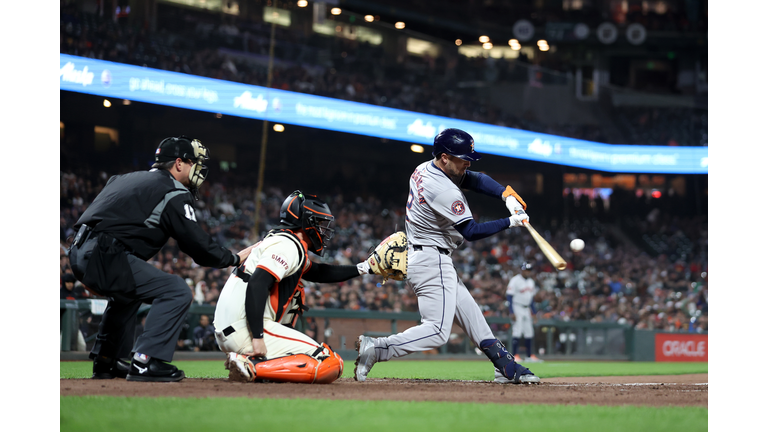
[355,72]
[611,280]
[205,335]
[183,343]
[71,289]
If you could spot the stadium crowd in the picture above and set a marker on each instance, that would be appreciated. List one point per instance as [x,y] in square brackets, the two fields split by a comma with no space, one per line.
[667,16]
[346,69]
[611,280]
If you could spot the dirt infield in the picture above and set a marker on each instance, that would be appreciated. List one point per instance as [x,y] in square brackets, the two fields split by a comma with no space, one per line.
[671,390]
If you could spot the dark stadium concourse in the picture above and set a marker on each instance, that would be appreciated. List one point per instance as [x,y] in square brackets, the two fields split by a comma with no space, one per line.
[123,137]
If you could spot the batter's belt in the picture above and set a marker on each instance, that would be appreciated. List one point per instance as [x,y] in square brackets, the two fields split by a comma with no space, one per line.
[439,249]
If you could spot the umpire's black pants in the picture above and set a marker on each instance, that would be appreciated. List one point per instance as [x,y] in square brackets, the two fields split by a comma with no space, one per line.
[169,295]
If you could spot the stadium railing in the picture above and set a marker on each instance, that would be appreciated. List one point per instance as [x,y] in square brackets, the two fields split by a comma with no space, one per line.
[560,340]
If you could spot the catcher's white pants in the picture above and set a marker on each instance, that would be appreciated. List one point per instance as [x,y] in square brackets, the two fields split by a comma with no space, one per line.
[279,339]
[442,296]
[523,325]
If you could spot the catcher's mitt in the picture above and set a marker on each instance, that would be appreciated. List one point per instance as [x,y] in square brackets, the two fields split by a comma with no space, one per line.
[390,258]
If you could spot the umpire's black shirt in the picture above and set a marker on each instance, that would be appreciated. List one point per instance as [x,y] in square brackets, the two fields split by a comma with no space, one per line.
[142,209]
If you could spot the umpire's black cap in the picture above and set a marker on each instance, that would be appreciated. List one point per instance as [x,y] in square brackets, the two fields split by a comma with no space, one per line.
[178,147]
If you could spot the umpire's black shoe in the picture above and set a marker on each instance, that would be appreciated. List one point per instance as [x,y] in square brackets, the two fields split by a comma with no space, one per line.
[107,368]
[154,371]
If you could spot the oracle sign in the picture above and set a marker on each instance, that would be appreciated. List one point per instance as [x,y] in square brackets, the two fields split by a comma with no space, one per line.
[681,347]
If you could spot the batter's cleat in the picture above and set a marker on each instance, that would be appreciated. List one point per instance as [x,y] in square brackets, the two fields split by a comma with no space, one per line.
[522,376]
[107,368]
[154,371]
[366,357]
[240,368]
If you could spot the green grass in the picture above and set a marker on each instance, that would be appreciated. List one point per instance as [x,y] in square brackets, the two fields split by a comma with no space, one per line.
[182,414]
[202,414]
[449,370]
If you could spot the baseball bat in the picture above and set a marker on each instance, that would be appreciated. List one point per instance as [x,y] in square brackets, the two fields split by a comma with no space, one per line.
[545,247]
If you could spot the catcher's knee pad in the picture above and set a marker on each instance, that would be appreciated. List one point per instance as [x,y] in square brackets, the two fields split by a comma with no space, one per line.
[301,368]
[330,368]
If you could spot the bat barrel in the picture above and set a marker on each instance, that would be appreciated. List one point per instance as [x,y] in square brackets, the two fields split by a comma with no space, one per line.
[546,248]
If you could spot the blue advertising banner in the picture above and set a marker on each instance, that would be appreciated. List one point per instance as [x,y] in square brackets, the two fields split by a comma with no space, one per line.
[143,84]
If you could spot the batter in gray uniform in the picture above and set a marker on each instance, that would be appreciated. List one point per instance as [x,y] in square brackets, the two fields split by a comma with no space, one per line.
[438,220]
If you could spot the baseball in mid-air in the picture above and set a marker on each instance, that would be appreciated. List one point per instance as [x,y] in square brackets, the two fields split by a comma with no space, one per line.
[577,245]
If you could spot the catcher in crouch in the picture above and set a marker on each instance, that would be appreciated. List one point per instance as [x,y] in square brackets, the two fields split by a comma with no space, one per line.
[263,298]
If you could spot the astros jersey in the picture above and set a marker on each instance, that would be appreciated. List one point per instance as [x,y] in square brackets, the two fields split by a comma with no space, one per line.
[435,205]
[276,254]
[521,289]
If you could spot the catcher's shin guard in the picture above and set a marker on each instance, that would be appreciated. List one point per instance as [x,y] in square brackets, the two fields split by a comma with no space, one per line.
[296,368]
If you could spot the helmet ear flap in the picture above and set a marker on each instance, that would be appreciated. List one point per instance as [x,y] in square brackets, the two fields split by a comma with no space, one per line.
[291,210]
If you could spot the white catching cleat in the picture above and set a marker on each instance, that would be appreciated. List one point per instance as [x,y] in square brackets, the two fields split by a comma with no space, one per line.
[240,368]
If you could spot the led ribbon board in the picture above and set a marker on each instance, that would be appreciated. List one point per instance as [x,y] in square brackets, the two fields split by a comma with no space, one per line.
[143,84]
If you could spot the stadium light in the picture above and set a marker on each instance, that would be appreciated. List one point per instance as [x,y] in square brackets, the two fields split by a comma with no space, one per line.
[399,25]
[126,102]
[458,42]
[513,42]
[484,39]
[417,148]
[542,42]
[107,103]
[369,18]
[487,45]
[301,3]
[336,11]
[278,127]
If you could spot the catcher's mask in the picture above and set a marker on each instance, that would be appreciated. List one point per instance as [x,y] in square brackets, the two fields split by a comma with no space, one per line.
[189,150]
[310,214]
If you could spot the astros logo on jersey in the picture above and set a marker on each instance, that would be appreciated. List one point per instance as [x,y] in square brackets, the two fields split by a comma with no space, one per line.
[458,208]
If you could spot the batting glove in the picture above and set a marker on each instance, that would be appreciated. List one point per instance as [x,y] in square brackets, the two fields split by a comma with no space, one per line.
[517,220]
[513,205]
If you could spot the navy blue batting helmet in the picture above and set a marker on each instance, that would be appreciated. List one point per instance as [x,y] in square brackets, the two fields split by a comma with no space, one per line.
[455,142]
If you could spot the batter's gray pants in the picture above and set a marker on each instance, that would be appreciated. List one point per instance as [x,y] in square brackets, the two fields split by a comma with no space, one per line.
[441,295]
[169,296]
